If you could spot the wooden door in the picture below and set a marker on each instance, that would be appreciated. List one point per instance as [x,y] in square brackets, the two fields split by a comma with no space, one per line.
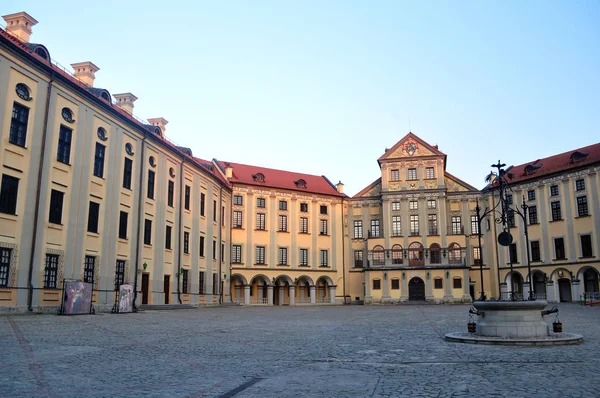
[166,285]
[145,287]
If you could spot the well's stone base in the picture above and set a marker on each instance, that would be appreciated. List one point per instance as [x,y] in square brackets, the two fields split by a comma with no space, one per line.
[551,339]
[511,319]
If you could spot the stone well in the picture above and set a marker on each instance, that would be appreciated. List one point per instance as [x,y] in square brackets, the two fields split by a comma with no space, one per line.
[512,319]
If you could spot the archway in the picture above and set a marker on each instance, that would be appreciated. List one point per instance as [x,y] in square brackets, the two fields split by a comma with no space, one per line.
[415,254]
[259,290]
[564,290]
[378,256]
[454,254]
[539,284]
[435,254]
[416,289]
[516,283]
[302,291]
[281,290]
[396,254]
[237,288]
[590,281]
[322,286]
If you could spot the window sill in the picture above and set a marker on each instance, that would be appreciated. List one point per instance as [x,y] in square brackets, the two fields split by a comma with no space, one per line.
[240,228]
[92,234]
[123,240]
[560,219]
[55,226]
[586,257]
[398,236]
[533,223]
[234,263]
[303,233]
[324,266]
[303,265]
[433,234]
[264,230]
[187,211]
[323,234]
[285,232]
[560,259]
[261,265]
[584,216]
[8,216]
[283,265]
[148,246]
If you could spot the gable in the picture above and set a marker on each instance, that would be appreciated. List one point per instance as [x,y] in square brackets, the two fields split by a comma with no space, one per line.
[373,189]
[454,184]
[410,146]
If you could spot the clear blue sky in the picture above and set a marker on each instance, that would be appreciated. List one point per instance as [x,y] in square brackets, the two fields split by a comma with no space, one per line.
[323,87]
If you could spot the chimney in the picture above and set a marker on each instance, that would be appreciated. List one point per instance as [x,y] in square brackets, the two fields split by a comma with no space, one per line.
[125,101]
[161,123]
[19,25]
[85,71]
[228,170]
[340,187]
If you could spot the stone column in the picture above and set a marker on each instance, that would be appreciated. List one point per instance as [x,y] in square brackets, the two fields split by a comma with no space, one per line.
[525,290]
[247,294]
[301,293]
[550,292]
[404,296]
[428,287]
[447,288]
[270,295]
[332,294]
[576,290]
[466,287]
[313,299]
[292,295]
[281,292]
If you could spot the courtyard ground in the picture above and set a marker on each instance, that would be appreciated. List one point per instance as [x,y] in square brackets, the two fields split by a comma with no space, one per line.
[288,351]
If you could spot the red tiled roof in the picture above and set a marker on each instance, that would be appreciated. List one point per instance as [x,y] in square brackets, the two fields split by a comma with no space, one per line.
[208,165]
[243,174]
[555,164]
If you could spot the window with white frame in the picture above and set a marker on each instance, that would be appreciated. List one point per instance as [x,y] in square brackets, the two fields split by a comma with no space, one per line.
[395,206]
[303,257]
[324,258]
[303,225]
[283,226]
[431,203]
[396,226]
[260,221]
[413,205]
[395,175]
[412,174]
[429,173]
[236,254]
[237,219]
[260,255]
[358,229]
[375,230]
[282,256]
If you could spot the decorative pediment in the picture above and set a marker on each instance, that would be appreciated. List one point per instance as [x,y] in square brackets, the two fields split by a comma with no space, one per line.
[373,189]
[410,146]
[454,184]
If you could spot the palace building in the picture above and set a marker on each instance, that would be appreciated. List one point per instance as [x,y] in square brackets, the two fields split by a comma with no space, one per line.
[90,192]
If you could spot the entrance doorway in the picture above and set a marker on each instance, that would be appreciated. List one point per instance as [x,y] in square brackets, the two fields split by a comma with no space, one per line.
[416,289]
[564,289]
[145,287]
[166,284]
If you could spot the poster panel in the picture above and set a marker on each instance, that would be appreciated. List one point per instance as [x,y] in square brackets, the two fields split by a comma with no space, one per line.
[126,298]
[77,298]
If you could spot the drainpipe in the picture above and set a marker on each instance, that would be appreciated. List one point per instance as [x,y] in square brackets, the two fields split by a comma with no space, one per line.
[139,226]
[343,255]
[37,195]
[220,256]
[180,233]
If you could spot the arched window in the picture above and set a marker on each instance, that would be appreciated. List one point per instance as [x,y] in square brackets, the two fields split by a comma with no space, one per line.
[396,254]
[415,254]
[259,177]
[454,254]
[435,254]
[300,183]
[378,255]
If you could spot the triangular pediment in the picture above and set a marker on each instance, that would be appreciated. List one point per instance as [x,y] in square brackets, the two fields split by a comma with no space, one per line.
[410,146]
[373,189]
[455,184]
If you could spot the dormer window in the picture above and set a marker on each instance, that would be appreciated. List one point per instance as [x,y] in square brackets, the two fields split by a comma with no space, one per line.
[300,183]
[41,52]
[104,95]
[530,169]
[577,156]
[258,177]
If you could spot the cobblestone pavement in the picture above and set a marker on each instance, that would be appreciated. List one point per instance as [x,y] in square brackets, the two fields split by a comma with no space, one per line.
[290,351]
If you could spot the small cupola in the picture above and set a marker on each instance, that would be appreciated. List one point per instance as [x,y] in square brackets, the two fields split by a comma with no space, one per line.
[228,170]
[125,101]
[85,72]
[161,123]
[19,25]
[340,187]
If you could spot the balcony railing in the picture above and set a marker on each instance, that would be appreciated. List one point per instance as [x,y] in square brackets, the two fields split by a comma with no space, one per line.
[406,258]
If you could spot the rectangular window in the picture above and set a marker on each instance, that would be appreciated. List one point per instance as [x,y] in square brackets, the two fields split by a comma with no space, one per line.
[582,206]
[396,226]
[457,283]
[186,242]
[509,199]
[324,258]
[214,250]
[414,225]
[510,218]
[376,284]
[579,185]
[533,218]
[238,200]
[438,283]
[202,203]
[261,203]
[151,177]
[260,255]
[215,284]
[358,258]
[303,225]
[559,248]
[474,225]
[5,257]
[184,281]
[395,284]
[413,205]
[531,195]
[8,194]
[395,206]
[432,227]
[236,254]
[556,213]
[119,274]
[476,256]
[188,194]
[168,236]
[51,271]
[127,170]
[201,283]
[282,205]
[282,256]
[214,210]
[513,253]
[431,204]
[412,174]
[88,269]
[282,224]
[429,173]
[304,207]
[554,190]
[586,246]
[395,175]
[535,250]
[56,205]
[123,216]
[260,221]
[202,239]
[147,232]
[323,227]
[93,215]
[99,160]
[323,209]
[222,252]
[358,229]
[63,153]
[237,219]
[456,225]
[375,230]
[18,125]
[304,257]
